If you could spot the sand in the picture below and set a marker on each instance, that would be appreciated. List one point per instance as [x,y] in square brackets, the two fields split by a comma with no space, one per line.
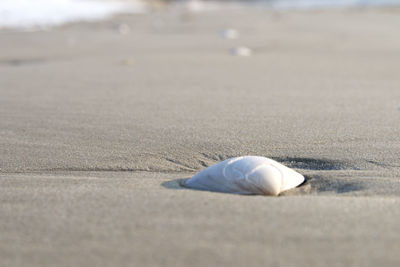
[97,128]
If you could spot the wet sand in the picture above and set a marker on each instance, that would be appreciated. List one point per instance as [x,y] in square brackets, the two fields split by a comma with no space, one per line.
[97,128]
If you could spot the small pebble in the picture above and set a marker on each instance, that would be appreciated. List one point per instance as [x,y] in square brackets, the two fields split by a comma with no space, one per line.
[127,62]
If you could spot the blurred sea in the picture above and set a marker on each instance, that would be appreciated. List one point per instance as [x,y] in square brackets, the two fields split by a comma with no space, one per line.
[310,4]
[44,13]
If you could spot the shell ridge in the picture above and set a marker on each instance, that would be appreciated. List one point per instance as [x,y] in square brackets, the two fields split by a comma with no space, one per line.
[260,187]
[250,186]
[255,187]
[228,164]
[281,189]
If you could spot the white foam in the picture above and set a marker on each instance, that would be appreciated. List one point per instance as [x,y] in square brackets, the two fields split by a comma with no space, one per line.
[44,13]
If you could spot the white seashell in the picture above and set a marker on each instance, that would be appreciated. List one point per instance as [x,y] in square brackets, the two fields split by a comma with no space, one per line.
[241,51]
[246,175]
[230,34]
[195,5]
[124,29]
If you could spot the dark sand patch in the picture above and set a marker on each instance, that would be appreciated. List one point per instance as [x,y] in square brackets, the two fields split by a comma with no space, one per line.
[22,61]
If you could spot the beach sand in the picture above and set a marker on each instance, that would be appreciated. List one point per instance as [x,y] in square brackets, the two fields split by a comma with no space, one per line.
[97,129]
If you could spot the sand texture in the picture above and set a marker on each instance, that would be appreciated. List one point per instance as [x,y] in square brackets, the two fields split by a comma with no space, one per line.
[97,128]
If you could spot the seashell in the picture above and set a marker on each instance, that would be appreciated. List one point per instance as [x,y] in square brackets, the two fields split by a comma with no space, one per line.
[246,175]
[195,6]
[230,33]
[123,29]
[241,51]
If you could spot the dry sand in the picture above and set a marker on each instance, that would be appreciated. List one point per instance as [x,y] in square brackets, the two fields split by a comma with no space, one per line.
[97,128]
